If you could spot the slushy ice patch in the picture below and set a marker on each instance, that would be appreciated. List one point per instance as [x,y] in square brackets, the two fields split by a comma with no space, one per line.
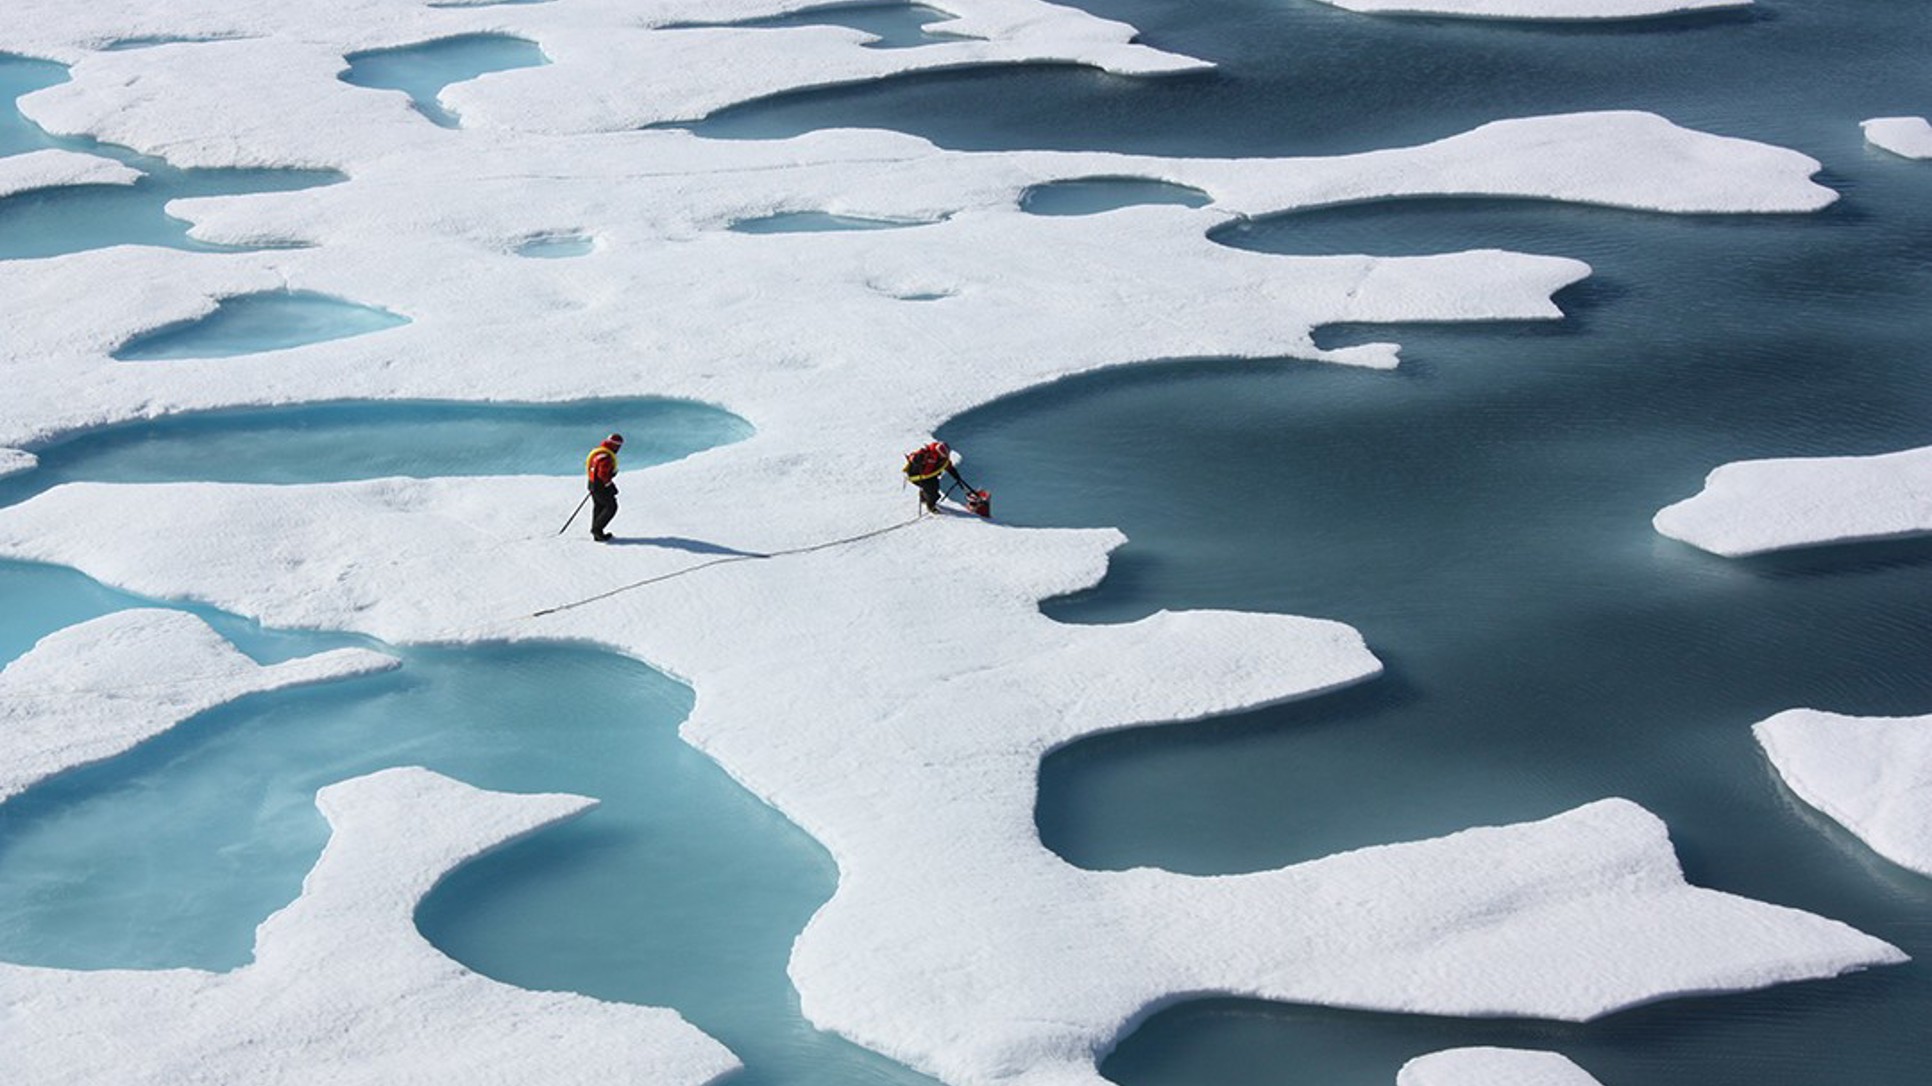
[556,246]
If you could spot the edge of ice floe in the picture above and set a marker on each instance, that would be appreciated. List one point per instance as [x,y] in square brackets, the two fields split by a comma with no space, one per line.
[1200,935]
[1907,137]
[1755,506]
[1625,159]
[1489,1066]
[53,168]
[648,74]
[1538,10]
[1871,775]
[345,990]
[1572,917]
[17,462]
[95,690]
[915,762]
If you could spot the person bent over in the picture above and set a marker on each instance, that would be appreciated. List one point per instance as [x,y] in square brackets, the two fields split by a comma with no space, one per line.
[924,466]
[601,469]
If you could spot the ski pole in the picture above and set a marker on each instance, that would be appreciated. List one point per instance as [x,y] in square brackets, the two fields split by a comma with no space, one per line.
[573,515]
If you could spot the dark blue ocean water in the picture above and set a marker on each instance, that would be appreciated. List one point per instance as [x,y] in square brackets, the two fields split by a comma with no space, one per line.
[1480,514]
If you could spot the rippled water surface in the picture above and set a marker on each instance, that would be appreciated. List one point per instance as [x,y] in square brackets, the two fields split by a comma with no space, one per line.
[1481,514]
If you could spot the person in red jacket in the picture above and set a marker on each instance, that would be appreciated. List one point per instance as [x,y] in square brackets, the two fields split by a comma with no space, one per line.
[600,469]
[925,465]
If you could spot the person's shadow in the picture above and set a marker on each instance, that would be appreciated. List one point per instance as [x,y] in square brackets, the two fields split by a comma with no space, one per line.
[695,546]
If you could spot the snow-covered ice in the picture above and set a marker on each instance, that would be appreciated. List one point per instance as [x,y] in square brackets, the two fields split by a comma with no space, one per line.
[1028,299]
[1872,775]
[52,168]
[901,719]
[1753,506]
[92,691]
[17,462]
[1910,137]
[642,74]
[897,715]
[1492,1067]
[1563,10]
[343,989]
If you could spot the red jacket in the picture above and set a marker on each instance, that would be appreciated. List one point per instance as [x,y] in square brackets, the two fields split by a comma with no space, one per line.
[927,463]
[601,465]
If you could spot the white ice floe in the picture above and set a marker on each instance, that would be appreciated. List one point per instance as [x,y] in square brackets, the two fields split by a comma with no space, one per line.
[1492,1067]
[1562,10]
[52,169]
[1753,506]
[639,71]
[1872,775]
[343,990]
[92,691]
[892,695]
[17,462]
[895,695]
[1910,137]
[674,303]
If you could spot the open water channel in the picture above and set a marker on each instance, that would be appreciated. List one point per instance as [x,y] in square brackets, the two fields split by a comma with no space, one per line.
[1481,514]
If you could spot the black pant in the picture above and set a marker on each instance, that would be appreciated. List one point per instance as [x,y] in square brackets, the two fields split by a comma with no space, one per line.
[929,488]
[603,505]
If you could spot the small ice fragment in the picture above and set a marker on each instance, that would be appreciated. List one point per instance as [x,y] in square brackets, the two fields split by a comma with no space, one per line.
[1492,1067]
[1872,775]
[16,462]
[1910,137]
[1753,506]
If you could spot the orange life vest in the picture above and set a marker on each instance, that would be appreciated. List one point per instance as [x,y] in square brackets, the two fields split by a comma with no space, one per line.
[926,463]
[590,462]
